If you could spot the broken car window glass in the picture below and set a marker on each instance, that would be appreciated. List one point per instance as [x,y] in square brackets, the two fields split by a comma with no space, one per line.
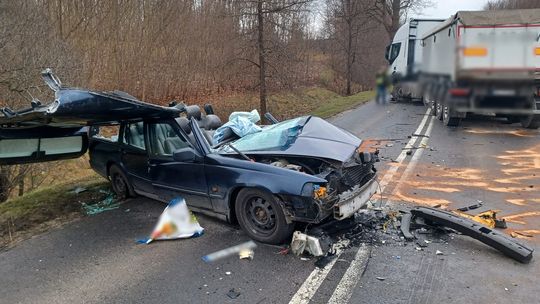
[164,140]
[279,136]
[110,133]
[134,135]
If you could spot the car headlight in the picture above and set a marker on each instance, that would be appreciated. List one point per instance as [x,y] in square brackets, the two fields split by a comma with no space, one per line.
[313,190]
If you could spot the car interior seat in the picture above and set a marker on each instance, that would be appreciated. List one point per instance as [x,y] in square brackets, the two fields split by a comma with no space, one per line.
[136,135]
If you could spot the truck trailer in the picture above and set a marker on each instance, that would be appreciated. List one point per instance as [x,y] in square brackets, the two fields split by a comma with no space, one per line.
[404,55]
[483,62]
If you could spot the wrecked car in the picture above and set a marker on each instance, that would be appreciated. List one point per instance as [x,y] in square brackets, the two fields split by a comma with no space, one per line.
[300,170]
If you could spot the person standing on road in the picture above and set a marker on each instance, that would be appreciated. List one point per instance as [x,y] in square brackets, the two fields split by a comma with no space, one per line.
[381,82]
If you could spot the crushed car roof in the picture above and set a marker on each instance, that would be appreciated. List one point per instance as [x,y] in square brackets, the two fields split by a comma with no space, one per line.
[78,107]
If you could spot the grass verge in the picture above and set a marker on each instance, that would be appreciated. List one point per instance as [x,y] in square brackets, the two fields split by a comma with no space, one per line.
[284,105]
[39,210]
[337,104]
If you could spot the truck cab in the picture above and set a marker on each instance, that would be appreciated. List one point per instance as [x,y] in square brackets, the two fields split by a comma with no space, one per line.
[404,56]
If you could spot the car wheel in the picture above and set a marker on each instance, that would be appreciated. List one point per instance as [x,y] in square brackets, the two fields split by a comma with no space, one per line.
[261,217]
[119,182]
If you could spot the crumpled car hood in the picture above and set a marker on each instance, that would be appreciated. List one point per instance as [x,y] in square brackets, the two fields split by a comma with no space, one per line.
[317,138]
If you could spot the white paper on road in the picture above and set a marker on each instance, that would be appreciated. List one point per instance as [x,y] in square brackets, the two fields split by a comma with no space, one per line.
[176,222]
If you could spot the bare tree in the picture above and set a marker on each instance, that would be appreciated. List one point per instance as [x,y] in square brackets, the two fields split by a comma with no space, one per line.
[391,13]
[511,4]
[273,22]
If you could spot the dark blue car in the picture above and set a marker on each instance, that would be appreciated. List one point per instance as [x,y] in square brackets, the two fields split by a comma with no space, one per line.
[300,170]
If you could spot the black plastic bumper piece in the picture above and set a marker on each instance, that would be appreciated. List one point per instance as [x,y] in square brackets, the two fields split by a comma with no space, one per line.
[406,226]
[479,232]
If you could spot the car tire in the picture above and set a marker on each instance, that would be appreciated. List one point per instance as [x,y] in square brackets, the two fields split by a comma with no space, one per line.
[120,183]
[261,217]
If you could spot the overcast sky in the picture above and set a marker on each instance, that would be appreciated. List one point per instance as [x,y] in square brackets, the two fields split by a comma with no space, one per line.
[444,8]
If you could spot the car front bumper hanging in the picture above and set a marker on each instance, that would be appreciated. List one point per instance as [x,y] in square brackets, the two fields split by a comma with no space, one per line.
[353,200]
[479,232]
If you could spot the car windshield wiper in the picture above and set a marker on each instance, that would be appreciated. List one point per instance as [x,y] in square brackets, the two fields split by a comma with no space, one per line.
[237,151]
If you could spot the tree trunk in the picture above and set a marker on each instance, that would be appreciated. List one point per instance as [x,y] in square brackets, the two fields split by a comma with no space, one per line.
[395,22]
[349,48]
[4,185]
[262,59]
[21,180]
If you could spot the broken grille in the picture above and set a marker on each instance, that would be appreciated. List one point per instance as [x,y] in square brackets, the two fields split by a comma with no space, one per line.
[357,175]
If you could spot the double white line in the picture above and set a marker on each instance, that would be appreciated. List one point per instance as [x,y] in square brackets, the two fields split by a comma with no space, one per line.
[346,285]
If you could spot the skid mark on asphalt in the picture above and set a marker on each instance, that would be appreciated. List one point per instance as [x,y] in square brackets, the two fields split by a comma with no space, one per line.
[428,280]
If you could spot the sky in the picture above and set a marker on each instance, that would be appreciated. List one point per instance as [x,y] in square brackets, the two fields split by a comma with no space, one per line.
[444,8]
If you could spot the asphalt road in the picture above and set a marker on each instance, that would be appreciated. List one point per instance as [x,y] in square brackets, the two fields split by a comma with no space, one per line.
[96,259]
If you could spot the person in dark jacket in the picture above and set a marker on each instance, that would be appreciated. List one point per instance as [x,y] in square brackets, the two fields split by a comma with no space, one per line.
[381,82]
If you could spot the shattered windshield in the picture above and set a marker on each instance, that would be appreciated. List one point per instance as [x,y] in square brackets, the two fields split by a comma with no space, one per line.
[274,137]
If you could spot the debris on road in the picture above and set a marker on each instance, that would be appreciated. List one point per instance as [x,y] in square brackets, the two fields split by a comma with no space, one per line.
[176,222]
[78,190]
[246,254]
[473,229]
[487,218]
[520,233]
[109,203]
[405,226]
[233,293]
[305,243]
[471,207]
[250,245]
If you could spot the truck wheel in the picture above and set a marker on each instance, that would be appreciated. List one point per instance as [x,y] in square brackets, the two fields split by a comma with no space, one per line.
[438,110]
[448,119]
[531,121]
[120,183]
[261,217]
[513,119]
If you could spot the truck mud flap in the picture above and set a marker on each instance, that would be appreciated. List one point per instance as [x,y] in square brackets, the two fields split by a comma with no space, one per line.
[484,234]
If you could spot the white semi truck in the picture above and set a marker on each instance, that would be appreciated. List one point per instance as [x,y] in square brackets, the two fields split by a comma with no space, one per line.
[405,58]
[483,62]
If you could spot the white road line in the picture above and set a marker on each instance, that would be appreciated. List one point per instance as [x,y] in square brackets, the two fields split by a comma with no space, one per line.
[418,153]
[344,289]
[317,276]
[348,282]
[312,283]
[401,157]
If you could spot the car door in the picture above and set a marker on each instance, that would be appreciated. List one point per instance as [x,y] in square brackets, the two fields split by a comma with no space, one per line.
[175,178]
[134,157]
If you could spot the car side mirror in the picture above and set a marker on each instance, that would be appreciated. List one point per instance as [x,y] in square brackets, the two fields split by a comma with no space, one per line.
[186,155]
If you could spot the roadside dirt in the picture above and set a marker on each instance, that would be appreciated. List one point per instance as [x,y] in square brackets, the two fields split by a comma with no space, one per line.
[41,210]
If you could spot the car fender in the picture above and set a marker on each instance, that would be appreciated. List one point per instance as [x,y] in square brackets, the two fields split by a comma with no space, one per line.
[232,173]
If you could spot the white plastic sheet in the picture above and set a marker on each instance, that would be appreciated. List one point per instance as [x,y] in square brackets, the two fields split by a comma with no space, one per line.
[176,222]
[241,123]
